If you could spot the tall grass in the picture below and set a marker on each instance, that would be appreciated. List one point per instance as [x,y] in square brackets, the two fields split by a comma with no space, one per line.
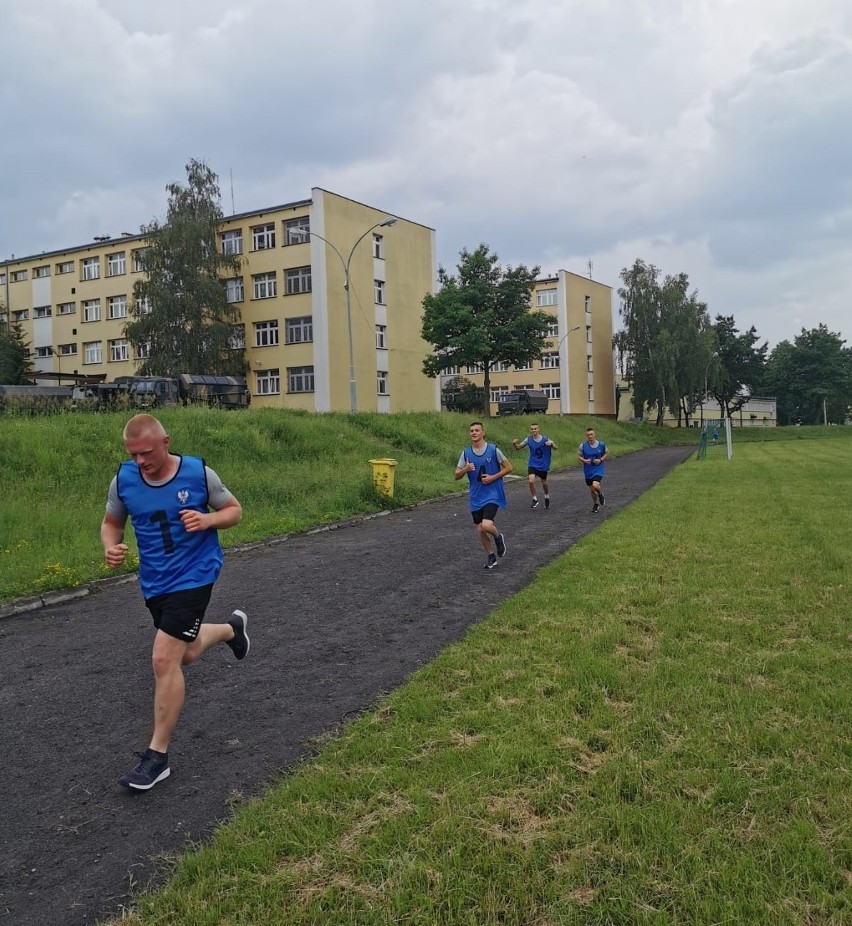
[290,470]
[663,739]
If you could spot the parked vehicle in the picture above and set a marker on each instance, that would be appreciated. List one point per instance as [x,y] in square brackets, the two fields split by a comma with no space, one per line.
[189,389]
[523,402]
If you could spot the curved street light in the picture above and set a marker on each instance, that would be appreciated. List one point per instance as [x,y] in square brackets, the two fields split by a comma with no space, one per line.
[345,262]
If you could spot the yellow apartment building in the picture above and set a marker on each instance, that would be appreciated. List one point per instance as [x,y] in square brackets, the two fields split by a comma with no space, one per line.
[330,296]
[576,371]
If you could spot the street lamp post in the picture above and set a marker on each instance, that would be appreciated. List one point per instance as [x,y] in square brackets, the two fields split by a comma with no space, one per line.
[713,357]
[345,262]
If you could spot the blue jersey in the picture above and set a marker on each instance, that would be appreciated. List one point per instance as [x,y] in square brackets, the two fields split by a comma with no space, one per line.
[486,463]
[593,470]
[171,558]
[540,453]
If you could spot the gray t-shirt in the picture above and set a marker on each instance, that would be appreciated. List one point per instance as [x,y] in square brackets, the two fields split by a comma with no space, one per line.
[219,496]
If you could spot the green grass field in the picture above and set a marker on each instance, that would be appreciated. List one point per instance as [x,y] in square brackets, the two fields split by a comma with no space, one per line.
[665,739]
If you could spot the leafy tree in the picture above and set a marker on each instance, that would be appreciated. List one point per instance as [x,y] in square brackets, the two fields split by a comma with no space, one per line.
[459,394]
[740,367]
[666,344]
[16,365]
[483,317]
[191,325]
[811,378]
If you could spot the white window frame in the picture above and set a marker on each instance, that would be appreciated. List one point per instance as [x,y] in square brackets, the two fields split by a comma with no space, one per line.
[21,315]
[553,329]
[298,280]
[379,246]
[117,307]
[382,386]
[90,268]
[18,276]
[137,256]
[66,308]
[263,237]
[267,382]
[552,390]
[381,337]
[549,361]
[143,305]
[235,289]
[65,266]
[546,297]
[116,264]
[300,379]
[266,333]
[143,349]
[39,273]
[237,337]
[119,350]
[42,311]
[42,352]
[379,292]
[68,350]
[91,310]
[232,242]
[93,352]
[299,330]
[265,285]
[297,231]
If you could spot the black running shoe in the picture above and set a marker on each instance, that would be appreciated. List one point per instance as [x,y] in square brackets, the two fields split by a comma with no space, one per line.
[153,767]
[546,502]
[595,509]
[500,543]
[601,499]
[241,643]
[491,562]
[534,503]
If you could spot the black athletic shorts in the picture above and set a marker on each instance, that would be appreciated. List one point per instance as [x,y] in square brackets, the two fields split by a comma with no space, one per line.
[488,513]
[541,473]
[593,479]
[179,614]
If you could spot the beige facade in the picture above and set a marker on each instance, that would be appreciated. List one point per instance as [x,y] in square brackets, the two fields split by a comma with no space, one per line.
[757,411]
[576,370]
[308,270]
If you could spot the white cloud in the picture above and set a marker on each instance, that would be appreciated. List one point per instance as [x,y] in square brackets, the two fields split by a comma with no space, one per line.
[705,136]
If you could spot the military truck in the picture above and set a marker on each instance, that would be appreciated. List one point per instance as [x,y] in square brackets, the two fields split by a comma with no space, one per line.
[189,389]
[523,402]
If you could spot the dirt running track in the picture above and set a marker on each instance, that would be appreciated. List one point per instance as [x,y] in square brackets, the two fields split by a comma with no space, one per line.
[337,618]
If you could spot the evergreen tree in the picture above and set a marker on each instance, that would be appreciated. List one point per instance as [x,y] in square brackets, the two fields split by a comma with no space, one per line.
[482,317]
[16,364]
[181,312]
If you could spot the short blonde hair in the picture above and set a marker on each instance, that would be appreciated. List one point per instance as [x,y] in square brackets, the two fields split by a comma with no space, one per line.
[140,425]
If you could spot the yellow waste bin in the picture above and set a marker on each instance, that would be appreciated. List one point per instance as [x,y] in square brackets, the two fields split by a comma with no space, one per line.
[383,476]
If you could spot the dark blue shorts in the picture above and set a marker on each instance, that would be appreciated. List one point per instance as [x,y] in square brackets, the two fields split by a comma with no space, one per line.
[592,479]
[488,513]
[179,614]
[541,473]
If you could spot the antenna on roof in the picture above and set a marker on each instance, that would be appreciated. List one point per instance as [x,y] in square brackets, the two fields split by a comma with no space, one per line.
[590,268]
[233,207]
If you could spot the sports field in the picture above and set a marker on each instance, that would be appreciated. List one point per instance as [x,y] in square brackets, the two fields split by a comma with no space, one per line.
[657,731]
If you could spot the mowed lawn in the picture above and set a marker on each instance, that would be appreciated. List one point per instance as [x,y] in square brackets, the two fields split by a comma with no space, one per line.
[657,732]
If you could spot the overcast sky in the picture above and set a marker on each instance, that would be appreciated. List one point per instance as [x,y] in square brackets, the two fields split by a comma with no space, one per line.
[709,137]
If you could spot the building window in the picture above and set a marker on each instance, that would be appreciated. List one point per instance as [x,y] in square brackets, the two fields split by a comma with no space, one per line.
[299,330]
[68,350]
[234,289]
[381,337]
[119,349]
[588,334]
[452,370]
[2,279]
[263,237]
[545,297]
[237,337]
[66,308]
[500,366]
[138,257]
[91,310]
[93,352]
[91,269]
[378,246]
[266,334]
[265,285]
[40,273]
[589,364]
[143,349]
[20,315]
[588,305]
[553,330]
[300,379]
[268,382]
[117,306]
[42,352]
[232,242]
[297,231]
[42,311]
[143,305]
[116,264]
[18,276]
[591,392]
[549,361]
[551,390]
[298,280]
[475,368]
[523,367]
[382,382]
[379,291]
[497,392]
[65,266]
